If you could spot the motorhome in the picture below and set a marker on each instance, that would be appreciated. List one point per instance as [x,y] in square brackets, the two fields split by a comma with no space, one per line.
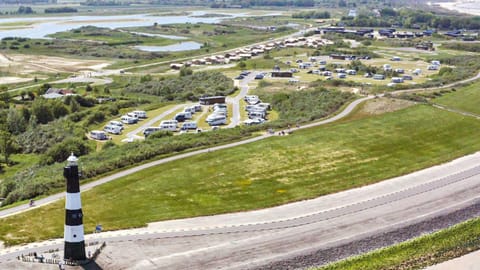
[189,125]
[253,115]
[116,123]
[169,122]
[112,129]
[150,130]
[215,120]
[140,114]
[98,135]
[128,120]
[183,116]
[169,127]
[198,107]
[133,115]
[397,80]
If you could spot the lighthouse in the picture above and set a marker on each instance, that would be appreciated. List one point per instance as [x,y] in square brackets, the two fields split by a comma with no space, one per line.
[73,231]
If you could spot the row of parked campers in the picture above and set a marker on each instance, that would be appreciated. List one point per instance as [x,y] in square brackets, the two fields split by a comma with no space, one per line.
[257,110]
[133,117]
[218,116]
[187,113]
[170,125]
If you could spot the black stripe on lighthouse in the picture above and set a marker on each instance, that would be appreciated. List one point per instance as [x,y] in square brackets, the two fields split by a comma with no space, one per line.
[73,231]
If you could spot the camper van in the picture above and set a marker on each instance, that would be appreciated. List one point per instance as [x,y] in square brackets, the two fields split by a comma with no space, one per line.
[215,120]
[189,125]
[128,120]
[112,129]
[116,123]
[98,135]
[169,122]
[256,114]
[150,130]
[133,115]
[140,114]
[169,127]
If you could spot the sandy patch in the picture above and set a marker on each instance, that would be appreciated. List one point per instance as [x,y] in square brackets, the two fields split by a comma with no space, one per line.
[7,80]
[384,105]
[26,64]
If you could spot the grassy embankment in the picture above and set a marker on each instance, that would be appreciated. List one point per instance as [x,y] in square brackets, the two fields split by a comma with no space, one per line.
[466,99]
[420,252]
[307,164]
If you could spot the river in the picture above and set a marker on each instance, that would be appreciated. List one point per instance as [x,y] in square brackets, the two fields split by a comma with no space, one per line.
[44,26]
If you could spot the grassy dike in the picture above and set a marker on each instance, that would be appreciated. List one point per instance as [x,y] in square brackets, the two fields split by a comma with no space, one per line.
[420,252]
[464,99]
[306,164]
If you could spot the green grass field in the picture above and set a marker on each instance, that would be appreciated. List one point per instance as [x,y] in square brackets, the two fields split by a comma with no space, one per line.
[307,164]
[420,252]
[465,99]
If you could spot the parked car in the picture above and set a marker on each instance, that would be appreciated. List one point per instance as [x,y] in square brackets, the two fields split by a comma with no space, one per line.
[259,76]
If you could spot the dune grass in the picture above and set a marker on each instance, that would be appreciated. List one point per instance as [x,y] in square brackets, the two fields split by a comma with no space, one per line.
[278,170]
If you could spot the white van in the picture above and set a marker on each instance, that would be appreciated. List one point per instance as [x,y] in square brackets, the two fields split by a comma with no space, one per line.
[253,115]
[116,123]
[133,115]
[169,122]
[98,135]
[112,129]
[128,120]
[169,127]
[198,107]
[140,114]
[189,125]
[150,130]
[190,109]
[215,120]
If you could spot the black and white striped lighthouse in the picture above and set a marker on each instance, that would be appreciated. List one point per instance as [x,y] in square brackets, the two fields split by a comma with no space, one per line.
[73,232]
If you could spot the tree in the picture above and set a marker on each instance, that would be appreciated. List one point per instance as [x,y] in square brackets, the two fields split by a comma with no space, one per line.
[6,145]
[88,88]
[16,124]
[42,110]
[185,71]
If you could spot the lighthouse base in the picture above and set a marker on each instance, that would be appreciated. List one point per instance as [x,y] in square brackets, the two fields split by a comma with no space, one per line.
[74,251]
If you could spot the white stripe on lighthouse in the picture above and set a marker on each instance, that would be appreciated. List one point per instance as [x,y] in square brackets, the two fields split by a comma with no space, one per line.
[73,234]
[73,201]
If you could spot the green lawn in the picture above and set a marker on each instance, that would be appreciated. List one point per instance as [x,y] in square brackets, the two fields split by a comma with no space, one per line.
[465,99]
[420,252]
[275,171]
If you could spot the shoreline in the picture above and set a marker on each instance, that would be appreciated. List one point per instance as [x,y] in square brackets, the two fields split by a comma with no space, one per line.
[471,7]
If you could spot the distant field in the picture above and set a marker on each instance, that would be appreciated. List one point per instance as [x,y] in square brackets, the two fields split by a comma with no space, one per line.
[465,99]
[307,164]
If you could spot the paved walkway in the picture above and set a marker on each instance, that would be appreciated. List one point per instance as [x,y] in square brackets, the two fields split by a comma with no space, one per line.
[470,261]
